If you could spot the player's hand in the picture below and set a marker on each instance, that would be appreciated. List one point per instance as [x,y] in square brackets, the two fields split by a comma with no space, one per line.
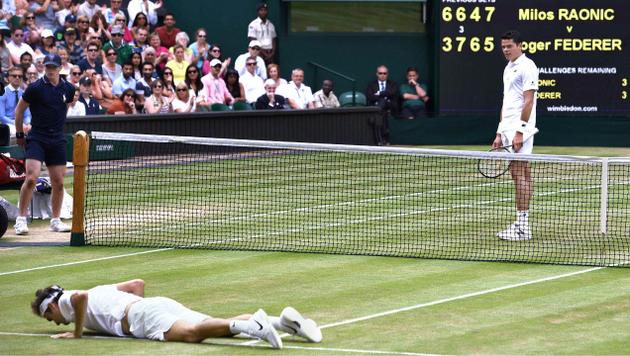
[66,335]
[517,143]
[497,142]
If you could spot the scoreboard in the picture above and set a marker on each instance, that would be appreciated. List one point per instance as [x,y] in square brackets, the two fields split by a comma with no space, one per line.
[581,48]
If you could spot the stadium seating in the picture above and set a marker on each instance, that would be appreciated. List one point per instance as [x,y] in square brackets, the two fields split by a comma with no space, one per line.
[219,107]
[345,99]
[240,106]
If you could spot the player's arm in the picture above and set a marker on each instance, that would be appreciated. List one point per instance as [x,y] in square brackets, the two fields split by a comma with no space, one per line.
[79,301]
[19,120]
[528,105]
[134,286]
[497,139]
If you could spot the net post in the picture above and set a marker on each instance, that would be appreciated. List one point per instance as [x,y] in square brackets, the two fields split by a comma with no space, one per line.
[80,160]
[603,223]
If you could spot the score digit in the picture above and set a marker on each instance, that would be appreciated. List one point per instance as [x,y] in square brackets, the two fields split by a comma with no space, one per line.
[624,82]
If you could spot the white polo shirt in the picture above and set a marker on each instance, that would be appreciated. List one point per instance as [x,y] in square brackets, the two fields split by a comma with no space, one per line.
[105,309]
[253,85]
[302,95]
[264,32]
[518,77]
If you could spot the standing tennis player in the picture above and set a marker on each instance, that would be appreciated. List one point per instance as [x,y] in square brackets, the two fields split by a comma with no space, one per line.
[122,310]
[517,127]
[47,99]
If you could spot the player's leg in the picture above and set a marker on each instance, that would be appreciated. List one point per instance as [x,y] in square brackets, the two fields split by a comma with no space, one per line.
[56,164]
[523,190]
[35,155]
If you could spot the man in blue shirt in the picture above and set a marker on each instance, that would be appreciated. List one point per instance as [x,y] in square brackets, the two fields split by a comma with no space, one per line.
[10,99]
[48,100]
[125,81]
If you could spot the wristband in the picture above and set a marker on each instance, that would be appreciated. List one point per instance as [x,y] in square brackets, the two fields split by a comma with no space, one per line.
[521,126]
[19,135]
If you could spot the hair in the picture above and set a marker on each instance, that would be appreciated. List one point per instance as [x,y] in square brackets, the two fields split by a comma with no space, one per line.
[135,54]
[128,63]
[42,294]
[188,81]
[178,46]
[512,35]
[270,82]
[23,20]
[297,70]
[135,20]
[125,92]
[15,68]
[201,29]
[156,82]
[94,24]
[273,65]
[147,64]
[26,54]
[93,43]
[181,35]
[412,69]
[146,51]
[169,14]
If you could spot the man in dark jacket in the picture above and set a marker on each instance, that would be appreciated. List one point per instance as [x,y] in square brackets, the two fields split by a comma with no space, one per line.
[383,93]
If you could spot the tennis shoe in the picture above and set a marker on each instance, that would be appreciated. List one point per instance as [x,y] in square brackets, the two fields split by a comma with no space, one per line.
[293,321]
[57,225]
[21,226]
[516,232]
[262,329]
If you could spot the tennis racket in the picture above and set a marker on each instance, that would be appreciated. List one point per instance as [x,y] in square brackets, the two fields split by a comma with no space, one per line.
[495,167]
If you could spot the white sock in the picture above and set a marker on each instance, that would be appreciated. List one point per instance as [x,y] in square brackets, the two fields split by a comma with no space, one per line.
[522,217]
[240,326]
[275,322]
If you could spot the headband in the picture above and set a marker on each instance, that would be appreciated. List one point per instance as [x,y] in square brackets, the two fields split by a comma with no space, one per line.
[56,291]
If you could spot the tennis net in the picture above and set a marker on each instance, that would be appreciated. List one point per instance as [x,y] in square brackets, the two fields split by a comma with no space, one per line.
[191,192]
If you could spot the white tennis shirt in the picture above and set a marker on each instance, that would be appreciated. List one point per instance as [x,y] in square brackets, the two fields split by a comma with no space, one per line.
[105,309]
[518,76]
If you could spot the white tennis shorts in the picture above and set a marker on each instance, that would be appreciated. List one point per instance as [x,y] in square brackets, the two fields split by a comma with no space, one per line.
[528,145]
[150,318]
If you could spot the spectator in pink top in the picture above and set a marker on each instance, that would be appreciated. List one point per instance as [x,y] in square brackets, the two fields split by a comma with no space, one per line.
[161,53]
[215,87]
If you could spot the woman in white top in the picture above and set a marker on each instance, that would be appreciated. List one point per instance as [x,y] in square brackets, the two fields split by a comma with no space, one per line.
[273,72]
[184,101]
[157,103]
[75,108]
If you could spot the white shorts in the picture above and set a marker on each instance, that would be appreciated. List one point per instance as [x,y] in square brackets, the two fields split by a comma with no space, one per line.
[150,318]
[528,145]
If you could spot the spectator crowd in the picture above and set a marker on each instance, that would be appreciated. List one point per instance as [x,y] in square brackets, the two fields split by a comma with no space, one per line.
[129,60]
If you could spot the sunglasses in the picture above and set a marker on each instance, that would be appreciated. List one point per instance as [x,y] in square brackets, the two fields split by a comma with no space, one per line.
[18,34]
[92,50]
[31,73]
[168,73]
[30,17]
[192,72]
[84,22]
[182,89]
[216,50]
[201,36]
[111,54]
[129,96]
[116,34]
[15,76]
[76,73]
[256,48]
[382,73]
[157,87]
[251,64]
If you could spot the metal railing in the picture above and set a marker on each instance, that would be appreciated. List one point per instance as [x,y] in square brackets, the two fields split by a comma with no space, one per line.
[318,66]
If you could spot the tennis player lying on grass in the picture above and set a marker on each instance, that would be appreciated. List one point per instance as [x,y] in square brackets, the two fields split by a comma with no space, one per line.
[122,310]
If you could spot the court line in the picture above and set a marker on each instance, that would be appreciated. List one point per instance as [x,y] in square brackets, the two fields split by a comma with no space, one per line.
[450,299]
[85,261]
[315,348]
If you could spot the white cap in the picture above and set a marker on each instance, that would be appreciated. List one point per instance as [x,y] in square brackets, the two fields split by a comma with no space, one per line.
[254,43]
[214,62]
[47,33]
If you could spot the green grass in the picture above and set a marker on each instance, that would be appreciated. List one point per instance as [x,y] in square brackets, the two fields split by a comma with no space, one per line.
[460,307]
[581,314]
